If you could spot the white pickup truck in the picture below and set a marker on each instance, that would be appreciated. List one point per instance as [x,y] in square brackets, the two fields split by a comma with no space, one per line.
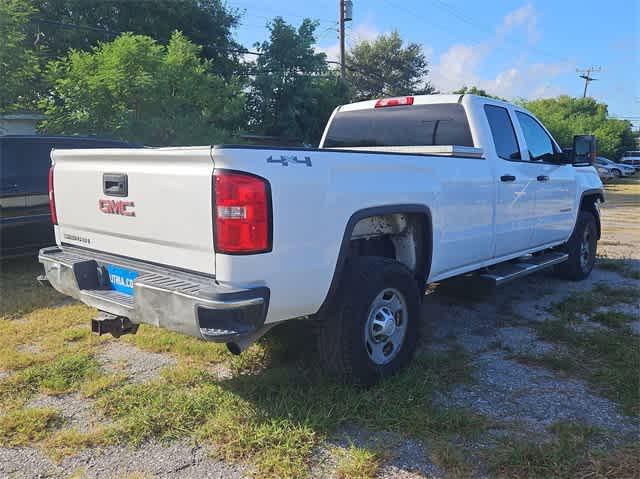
[224,242]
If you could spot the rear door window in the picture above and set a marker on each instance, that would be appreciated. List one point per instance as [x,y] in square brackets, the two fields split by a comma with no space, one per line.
[27,164]
[504,136]
[415,125]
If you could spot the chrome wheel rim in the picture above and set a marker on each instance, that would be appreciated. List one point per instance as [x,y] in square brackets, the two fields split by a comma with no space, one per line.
[386,326]
[585,249]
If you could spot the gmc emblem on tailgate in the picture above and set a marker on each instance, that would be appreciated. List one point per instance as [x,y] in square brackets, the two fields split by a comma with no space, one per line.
[116,207]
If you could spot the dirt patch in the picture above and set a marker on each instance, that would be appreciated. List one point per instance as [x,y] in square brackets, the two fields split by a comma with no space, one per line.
[140,366]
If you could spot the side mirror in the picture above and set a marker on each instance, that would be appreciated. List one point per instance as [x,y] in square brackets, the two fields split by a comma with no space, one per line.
[584,149]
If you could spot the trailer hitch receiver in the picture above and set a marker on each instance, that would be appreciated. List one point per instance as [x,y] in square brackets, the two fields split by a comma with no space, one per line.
[107,323]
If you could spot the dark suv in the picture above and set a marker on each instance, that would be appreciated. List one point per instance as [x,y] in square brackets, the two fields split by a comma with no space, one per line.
[25,222]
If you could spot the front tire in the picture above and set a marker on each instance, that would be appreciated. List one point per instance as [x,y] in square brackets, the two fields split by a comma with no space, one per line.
[374,329]
[617,174]
[581,248]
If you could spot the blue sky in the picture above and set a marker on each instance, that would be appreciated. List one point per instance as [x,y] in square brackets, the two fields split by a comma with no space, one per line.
[527,49]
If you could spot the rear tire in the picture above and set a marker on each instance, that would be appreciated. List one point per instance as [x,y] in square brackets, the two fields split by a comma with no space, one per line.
[374,328]
[581,248]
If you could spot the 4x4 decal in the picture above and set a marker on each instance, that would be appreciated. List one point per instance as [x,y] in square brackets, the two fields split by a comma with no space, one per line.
[284,160]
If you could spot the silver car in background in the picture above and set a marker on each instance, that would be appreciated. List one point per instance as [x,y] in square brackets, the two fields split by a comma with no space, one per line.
[604,173]
[631,158]
[618,170]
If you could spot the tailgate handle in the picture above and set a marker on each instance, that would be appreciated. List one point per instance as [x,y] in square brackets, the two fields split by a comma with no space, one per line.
[114,184]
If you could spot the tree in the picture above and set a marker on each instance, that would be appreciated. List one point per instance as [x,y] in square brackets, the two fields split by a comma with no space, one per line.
[473,90]
[293,91]
[18,64]
[384,67]
[566,116]
[135,89]
[61,25]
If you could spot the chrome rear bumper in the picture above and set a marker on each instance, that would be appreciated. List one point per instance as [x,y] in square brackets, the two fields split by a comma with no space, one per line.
[179,301]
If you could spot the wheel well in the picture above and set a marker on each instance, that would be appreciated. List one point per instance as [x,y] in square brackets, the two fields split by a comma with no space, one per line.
[402,232]
[590,203]
[405,237]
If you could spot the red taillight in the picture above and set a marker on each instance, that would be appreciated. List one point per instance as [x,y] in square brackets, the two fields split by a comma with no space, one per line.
[242,210]
[52,198]
[401,100]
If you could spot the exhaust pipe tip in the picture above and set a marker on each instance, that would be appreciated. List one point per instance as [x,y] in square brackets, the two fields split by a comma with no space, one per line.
[234,349]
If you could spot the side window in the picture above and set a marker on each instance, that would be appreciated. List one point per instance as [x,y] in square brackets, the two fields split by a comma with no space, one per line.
[26,164]
[538,142]
[8,165]
[10,173]
[504,136]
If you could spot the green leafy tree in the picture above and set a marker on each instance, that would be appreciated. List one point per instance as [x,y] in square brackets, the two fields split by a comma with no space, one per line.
[19,68]
[473,90]
[293,91]
[61,25]
[566,116]
[135,89]
[387,67]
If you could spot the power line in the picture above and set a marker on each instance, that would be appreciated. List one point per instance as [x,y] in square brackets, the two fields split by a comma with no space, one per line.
[462,17]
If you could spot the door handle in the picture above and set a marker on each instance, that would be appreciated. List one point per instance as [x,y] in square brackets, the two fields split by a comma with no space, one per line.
[115,184]
[507,178]
[543,178]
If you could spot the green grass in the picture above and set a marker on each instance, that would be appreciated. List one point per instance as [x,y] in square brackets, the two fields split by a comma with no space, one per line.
[21,292]
[608,359]
[67,442]
[54,331]
[158,340]
[65,374]
[586,302]
[357,463]
[26,426]
[568,454]
[620,266]
[613,319]
[451,458]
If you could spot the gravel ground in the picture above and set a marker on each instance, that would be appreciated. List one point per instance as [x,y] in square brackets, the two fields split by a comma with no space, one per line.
[140,366]
[533,398]
[78,412]
[180,460]
[404,457]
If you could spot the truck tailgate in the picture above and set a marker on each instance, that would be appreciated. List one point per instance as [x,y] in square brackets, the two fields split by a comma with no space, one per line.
[151,204]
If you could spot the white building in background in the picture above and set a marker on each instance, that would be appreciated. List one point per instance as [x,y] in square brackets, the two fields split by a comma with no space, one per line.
[19,123]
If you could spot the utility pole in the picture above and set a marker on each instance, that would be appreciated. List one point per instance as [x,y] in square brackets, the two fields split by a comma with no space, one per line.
[346,15]
[586,75]
[341,36]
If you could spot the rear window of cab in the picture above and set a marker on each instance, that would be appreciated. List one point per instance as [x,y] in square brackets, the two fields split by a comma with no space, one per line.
[414,125]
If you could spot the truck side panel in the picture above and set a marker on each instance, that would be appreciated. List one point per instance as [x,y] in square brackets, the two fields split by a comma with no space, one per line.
[313,204]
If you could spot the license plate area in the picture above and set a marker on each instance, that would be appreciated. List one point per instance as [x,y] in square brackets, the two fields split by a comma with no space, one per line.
[121,279]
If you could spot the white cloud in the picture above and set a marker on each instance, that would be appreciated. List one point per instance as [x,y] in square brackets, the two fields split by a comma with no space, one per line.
[460,64]
[363,32]
[525,17]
